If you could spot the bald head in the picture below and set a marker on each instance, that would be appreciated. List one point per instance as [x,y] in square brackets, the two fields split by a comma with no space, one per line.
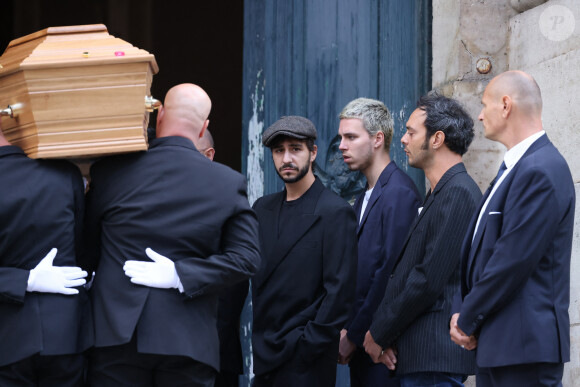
[185,112]
[521,88]
[206,141]
[205,145]
[512,108]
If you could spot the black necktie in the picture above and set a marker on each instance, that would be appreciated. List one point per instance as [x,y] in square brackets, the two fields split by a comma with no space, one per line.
[502,169]
[483,218]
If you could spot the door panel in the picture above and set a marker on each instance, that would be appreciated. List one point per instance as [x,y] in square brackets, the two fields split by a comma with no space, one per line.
[311,58]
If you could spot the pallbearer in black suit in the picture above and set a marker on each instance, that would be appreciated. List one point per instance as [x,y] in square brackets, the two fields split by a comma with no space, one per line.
[304,288]
[384,212]
[410,329]
[515,293]
[231,303]
[167,231]
[44,309]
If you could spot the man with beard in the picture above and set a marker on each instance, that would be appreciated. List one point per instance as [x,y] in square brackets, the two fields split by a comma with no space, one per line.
[410,329]
[304,288]
[384,211]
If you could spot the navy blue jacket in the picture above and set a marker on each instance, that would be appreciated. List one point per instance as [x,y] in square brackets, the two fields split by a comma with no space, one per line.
[391,209]
[516,274]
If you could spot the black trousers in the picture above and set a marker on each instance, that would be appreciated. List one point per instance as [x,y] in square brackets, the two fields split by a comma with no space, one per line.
[297,373]
[227,379]
[365,373]
[44,371]
[123,366]
[529,375]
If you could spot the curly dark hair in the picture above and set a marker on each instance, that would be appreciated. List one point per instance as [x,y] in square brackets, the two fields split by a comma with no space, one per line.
[448,116]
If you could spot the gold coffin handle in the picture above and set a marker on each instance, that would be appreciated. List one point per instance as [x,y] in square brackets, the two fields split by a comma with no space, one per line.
[151,103]
[8,112]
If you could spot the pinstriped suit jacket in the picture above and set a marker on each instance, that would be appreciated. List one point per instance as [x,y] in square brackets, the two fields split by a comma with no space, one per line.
[414,314]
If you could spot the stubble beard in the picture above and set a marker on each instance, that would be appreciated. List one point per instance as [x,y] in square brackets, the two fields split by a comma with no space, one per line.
[301,173]
[421,157]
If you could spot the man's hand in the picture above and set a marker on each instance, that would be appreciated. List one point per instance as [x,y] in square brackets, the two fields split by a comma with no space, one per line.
[346,348]
[45,278]
[459,337]
[373,349]
[160,273]
[389,358]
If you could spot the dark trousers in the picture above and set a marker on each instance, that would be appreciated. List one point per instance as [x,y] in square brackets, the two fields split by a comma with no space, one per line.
[433,379]
[297,373]
[123,366]
[529,375]
[227,379]
[365,373]
[44,371]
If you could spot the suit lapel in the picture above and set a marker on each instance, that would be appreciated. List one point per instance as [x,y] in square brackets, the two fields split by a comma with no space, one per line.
[429,200]
[376,194]
[357,208]
[277,249]
[474,245]
[475,239]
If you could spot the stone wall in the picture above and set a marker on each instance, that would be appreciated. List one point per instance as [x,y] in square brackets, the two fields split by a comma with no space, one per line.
[537,36]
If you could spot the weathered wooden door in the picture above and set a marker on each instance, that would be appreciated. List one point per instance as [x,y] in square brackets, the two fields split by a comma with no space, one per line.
[310,58]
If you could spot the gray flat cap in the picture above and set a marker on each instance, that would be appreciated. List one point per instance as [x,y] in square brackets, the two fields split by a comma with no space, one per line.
[291,126]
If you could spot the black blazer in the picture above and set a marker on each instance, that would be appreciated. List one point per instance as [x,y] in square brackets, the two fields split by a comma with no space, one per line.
[174,200]
[389,213]
[414,314]
[304,288]
[41,207]
[516,274]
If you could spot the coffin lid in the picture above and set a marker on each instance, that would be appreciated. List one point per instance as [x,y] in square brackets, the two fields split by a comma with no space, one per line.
[84,45]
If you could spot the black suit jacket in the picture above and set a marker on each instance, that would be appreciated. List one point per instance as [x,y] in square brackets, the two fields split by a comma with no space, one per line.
[174,200]
[516,274]
[41,207]
[414,314]
[304,288]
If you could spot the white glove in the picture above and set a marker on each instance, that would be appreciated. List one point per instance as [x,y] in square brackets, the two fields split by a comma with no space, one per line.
[46,278]
[160,273]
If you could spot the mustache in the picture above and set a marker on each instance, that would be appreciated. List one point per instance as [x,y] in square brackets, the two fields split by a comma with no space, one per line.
[289,165]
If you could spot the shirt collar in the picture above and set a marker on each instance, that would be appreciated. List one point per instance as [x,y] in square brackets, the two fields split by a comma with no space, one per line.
[172,141]
[514,155]
[10,150]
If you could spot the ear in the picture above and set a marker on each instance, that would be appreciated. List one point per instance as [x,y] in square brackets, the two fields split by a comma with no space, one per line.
[313,153]
[160,114]
[507,105]
[437,139]
[203,128]
[209,153]
[379,139]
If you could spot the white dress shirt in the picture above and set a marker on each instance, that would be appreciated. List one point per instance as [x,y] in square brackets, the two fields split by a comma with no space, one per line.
[365,202]
[510,159]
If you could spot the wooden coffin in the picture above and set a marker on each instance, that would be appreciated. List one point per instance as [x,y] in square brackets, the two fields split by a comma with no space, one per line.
[75,92]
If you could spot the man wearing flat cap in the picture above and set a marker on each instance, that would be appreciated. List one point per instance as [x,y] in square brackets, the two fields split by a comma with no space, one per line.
[304,288]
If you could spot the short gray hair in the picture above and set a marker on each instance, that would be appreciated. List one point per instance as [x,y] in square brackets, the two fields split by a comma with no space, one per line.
[374,115]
